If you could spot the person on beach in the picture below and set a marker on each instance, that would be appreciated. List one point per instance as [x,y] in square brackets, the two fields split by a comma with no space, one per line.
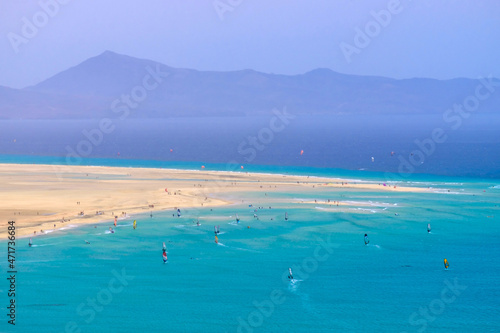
[366,239]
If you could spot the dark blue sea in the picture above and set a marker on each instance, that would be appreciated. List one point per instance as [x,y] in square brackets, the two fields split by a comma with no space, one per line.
[399,146]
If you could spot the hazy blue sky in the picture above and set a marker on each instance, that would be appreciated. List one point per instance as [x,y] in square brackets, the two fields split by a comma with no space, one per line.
[428,38]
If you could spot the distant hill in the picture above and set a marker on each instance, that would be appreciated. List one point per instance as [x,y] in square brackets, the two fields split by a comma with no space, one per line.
[89,89]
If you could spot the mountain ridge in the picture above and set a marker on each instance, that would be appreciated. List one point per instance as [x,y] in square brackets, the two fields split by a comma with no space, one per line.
[89,89]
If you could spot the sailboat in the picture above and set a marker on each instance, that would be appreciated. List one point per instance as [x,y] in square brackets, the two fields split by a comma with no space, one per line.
[165,258]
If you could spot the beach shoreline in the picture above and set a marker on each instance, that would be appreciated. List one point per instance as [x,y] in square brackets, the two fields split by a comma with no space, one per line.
[42,197]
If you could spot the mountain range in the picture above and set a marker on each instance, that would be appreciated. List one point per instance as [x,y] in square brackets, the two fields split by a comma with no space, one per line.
[112,85]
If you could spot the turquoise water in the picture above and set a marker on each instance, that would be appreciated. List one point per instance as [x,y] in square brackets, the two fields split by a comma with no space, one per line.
[240,284]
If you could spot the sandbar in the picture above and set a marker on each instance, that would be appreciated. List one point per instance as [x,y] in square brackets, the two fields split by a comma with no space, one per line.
[42,197]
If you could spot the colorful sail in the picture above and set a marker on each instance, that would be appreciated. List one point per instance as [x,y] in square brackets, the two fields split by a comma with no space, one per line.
[216,240]
[115,221]
[135,224]
[446,264]
[165,258]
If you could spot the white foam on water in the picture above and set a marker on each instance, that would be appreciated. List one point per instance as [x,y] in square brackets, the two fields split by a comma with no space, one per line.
[40,245]
[294,285]
[124,225]
[70,226]
[367,210]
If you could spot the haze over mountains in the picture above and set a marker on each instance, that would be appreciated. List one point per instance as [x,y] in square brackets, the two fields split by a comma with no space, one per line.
[113,85]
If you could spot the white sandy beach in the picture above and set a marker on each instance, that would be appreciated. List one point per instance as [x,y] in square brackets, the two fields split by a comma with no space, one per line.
[47,197]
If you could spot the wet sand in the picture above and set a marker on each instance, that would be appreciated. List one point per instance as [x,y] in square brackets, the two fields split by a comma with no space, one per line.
[47,197]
